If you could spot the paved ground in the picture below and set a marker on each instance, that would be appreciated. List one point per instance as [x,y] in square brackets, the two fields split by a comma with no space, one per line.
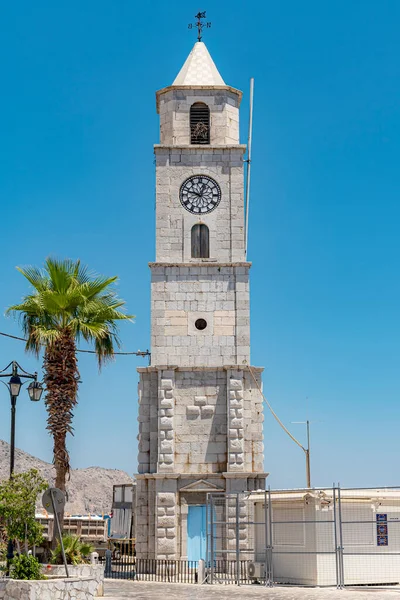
[119,590]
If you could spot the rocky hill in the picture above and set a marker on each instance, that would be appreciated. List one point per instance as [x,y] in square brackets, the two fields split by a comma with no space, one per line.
[89,490]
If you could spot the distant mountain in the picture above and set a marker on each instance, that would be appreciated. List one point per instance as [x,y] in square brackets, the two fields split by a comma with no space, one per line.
[89,490]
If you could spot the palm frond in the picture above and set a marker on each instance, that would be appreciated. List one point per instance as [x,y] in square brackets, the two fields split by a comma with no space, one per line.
[93,288]
[35,276]
[104,348]
[68,295]
[61,273]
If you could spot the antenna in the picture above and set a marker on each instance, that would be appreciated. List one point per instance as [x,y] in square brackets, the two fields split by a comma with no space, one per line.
[246,235]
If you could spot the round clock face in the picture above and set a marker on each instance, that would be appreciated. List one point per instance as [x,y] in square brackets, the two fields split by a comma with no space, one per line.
[200,194]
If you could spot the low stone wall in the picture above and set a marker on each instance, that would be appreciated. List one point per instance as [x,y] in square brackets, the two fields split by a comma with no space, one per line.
[51,589]
[95,572]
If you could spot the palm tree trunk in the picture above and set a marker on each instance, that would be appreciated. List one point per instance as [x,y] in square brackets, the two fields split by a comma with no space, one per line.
[61,378]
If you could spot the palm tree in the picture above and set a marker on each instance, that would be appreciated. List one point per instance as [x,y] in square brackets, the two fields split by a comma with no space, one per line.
[67,303]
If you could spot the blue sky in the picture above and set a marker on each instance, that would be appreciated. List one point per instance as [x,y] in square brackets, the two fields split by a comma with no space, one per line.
[78,121]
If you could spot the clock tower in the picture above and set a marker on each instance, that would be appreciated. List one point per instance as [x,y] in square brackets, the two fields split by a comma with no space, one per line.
[200,412]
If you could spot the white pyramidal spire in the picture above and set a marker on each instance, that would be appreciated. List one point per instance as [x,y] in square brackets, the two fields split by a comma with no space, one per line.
[199,69]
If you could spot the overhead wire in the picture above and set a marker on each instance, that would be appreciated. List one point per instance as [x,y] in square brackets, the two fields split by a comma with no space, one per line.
[138,353]
[147,353]
[274,413]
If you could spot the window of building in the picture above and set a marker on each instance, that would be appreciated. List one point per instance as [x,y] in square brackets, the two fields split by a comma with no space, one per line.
[199,123]
[200,241]
[200,324]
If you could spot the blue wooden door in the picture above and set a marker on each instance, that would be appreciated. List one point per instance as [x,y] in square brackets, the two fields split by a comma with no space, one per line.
[196,527]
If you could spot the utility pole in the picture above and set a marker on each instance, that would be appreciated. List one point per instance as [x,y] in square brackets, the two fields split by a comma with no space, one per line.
[308,471]
[306,451]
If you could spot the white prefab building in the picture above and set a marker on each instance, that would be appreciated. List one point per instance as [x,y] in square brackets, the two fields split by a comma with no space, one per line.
[307,527]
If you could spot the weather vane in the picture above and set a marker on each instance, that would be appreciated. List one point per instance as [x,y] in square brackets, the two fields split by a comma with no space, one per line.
[199,24]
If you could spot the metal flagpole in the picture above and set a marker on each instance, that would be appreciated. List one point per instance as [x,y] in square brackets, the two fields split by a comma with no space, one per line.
[249,166]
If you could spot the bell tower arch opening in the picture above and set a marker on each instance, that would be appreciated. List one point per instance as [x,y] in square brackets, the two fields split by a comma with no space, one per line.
[199,123]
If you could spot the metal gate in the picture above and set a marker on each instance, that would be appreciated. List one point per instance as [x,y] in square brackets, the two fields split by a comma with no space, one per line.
[232,534]
[120,562]
[273,538]
[309,537]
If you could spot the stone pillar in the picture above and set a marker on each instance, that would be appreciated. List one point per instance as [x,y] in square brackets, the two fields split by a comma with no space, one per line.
[253,422]
[184,519]
[235,416]
[166,403]
[144,424]
[237,512]
[142,517]
[166,517]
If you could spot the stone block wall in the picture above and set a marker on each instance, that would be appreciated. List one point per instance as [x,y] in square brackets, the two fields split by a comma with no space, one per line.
[145,516]
[167,521]
[94,572]
[174,223]
[182,294]
[245,422]
[166,421]
[200,438]
[209,420]
[148,422]
[174,110]
[52,589]
[236,450]
[253,408]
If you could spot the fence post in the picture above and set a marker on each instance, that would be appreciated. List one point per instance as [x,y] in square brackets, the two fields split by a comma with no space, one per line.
[335,533]
[340,547]
[107,570]
[212,538]
[271,548]
[201,571]
[268,550]
[237,542]
[207,531]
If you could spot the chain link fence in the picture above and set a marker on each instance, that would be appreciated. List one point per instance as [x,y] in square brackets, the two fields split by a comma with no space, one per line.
[310,537]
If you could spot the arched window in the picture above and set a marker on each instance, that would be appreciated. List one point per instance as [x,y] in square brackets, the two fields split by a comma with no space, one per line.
[199,123]
[200,241]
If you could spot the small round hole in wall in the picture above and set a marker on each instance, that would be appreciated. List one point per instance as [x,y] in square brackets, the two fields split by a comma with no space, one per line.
[200,324]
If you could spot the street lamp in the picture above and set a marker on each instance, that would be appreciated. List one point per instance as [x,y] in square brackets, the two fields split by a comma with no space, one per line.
[35,390]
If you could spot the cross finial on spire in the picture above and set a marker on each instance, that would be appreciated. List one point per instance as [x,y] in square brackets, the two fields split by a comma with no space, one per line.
[199,24]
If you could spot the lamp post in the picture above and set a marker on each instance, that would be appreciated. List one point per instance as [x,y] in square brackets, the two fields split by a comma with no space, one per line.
[35,389]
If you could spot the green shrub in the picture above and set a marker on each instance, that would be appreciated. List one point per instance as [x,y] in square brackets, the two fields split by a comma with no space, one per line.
[76,552]
[26,567]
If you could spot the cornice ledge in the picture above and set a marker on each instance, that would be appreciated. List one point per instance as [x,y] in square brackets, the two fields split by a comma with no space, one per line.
[204,148]
[169,88]
[239,475]
[153,265]
[156,368]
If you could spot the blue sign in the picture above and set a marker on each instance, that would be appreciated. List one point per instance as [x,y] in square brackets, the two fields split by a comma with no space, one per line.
[381,530]
[383,540]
